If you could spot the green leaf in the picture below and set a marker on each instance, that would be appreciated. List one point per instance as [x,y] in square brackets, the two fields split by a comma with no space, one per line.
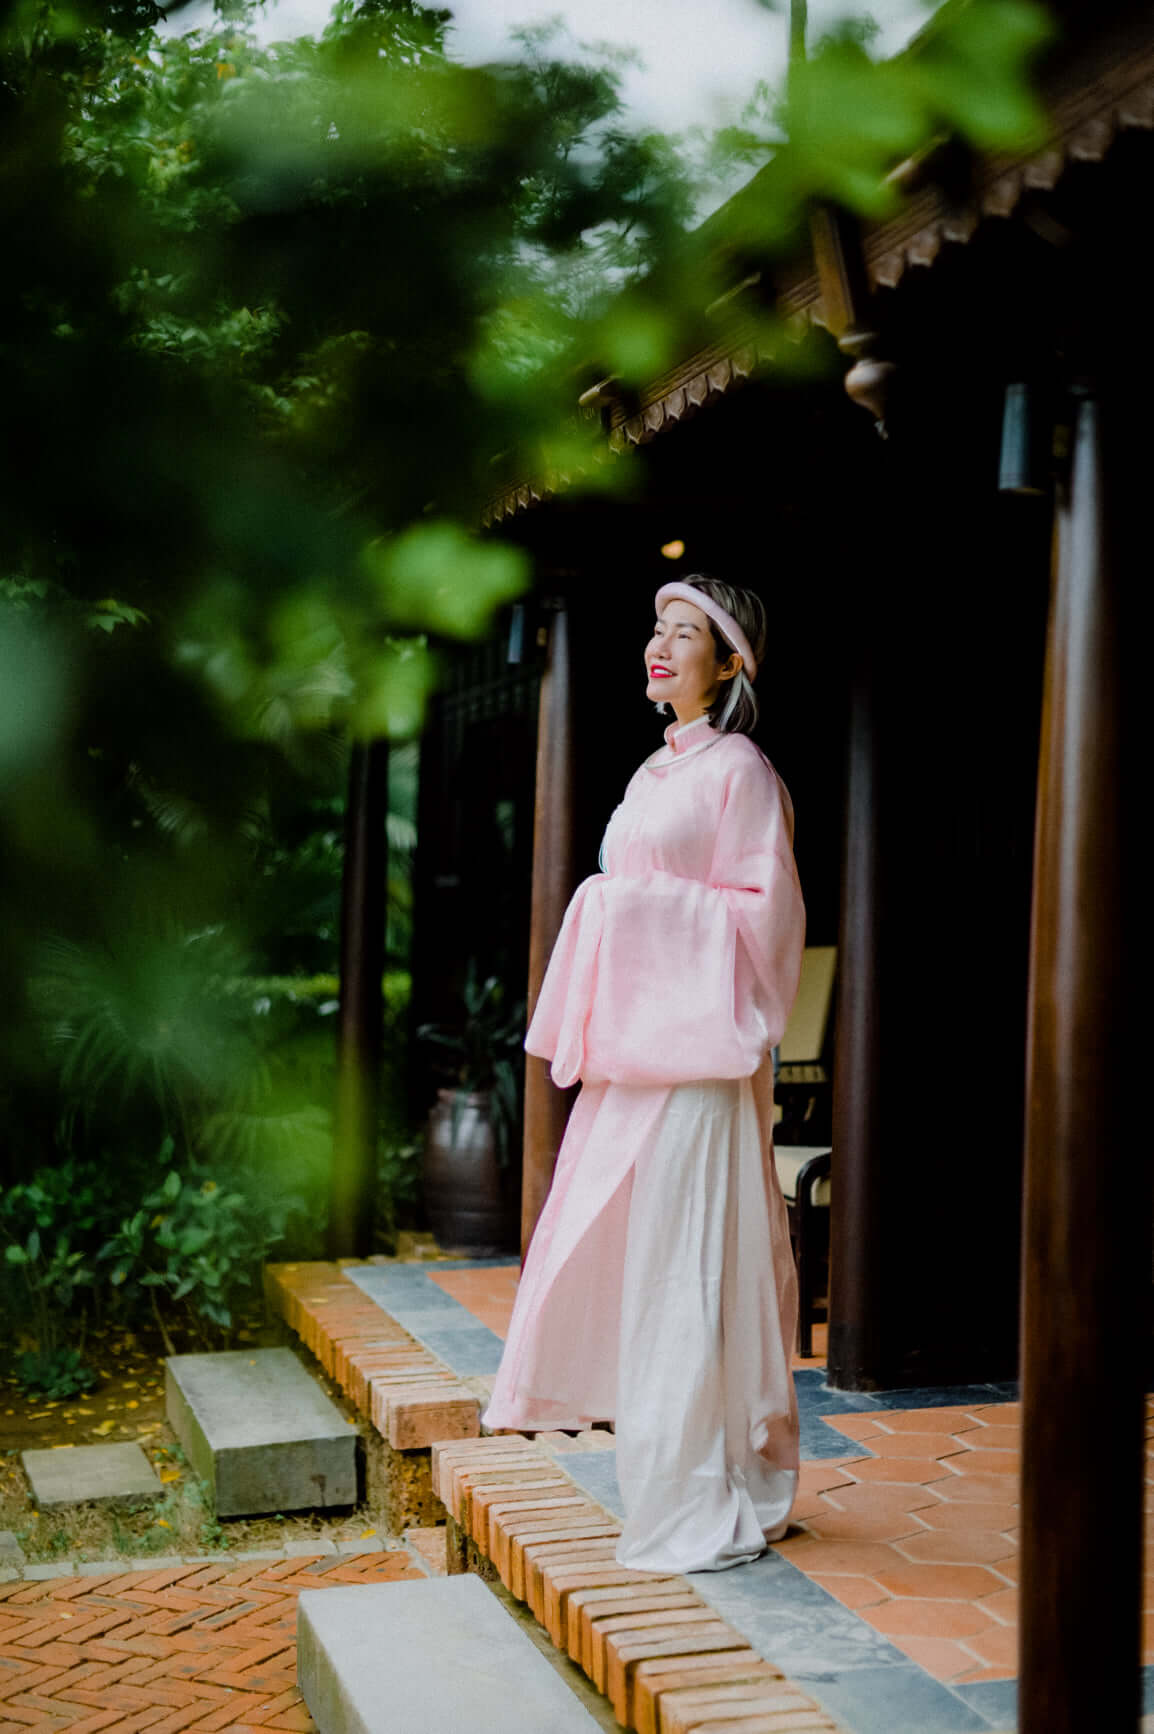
[434,577]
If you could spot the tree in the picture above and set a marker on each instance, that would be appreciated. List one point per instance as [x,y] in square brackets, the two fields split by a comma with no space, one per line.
[276,320]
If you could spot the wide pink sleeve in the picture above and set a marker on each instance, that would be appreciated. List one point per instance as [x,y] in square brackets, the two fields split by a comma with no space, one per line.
[661,979]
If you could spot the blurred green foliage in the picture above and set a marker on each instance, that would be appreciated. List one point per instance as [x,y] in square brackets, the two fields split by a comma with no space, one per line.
[276,321]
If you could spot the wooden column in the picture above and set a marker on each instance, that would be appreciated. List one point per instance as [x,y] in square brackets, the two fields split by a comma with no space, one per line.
[546,1107]
[1086,1240]
[360,1020]
[858,1246]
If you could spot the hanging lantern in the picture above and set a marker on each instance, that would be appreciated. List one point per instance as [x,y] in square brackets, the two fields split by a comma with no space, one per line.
[1023,466]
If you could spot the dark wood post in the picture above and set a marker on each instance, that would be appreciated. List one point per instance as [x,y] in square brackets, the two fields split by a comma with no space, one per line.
[1086,1239]
[546,1107]
[360,1022]
[858,1247]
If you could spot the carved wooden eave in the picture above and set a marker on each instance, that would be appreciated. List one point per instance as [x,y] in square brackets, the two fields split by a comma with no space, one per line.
[1116,97]
[1086,122]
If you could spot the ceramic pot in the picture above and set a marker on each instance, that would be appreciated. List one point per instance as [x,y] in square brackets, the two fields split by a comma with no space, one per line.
[469,1199]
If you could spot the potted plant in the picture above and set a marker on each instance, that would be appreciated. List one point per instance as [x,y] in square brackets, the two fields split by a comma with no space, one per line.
[468,1180]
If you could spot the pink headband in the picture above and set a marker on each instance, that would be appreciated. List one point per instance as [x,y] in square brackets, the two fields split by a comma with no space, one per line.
[727,625]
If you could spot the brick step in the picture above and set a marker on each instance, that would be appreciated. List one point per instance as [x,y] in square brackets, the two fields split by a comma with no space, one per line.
[665,1660]
[409,1395]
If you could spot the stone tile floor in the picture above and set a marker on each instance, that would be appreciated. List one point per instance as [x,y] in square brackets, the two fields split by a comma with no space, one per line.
[893,1599]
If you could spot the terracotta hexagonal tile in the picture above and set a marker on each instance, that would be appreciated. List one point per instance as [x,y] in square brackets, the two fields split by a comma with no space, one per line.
[910,1617]
[880,1496]
[938,1582]
[999,1413]
[807,1505]
[993,1489]
[818,1477]
[1003,1605]
[957,1546]
[946,1420]
[977,1675]
[833,1525]
[998,1646]
[837,1558]
[900,1469]
[944,1658]
[969,1514]
[983,1462]
[994,1438]
[855,1426]
[852,1592]
[925,1445]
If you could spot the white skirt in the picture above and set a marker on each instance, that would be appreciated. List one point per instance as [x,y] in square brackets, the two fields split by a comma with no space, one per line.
[706,1419]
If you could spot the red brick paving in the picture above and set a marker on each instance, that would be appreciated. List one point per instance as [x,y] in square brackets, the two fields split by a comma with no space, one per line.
[191,1647]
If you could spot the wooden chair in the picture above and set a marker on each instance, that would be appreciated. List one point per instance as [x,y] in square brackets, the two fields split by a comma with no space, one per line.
[802,1149]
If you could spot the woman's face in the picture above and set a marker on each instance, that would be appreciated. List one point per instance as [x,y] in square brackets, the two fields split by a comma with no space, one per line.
[681,662]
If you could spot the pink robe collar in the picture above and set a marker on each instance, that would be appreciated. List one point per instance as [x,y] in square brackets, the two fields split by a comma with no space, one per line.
[683,740]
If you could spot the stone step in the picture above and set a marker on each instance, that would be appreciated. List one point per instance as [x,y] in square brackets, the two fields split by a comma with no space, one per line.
[436,1657]
[90,1475]
[260,1431]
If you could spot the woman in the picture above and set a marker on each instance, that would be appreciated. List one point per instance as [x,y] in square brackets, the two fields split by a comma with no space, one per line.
[659,1288]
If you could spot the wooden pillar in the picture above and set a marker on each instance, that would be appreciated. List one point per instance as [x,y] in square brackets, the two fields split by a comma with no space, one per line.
[858,1246]
[360,1020]
[546,1107]
[1086,1238]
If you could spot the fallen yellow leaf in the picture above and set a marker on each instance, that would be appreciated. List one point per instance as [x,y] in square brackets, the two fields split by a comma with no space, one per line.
[132,1405]
[170,1474]
[161,1524]
[366,1533]
[103,1427]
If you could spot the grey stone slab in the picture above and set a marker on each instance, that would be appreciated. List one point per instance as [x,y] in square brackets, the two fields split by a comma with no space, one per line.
[88,1474]
[596,1473]
[429,1656]
[10,1574]
[43,1573]
[792,1621]
[309,1549]
[902,1700]
[996,1700]
[11,1552]
[467,1349]
[102,1567]
[260,1431]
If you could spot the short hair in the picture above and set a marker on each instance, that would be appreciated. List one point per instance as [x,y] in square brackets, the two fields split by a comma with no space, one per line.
[735,709]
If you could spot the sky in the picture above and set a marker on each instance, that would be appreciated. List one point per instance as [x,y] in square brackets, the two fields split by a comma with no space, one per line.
[699,58]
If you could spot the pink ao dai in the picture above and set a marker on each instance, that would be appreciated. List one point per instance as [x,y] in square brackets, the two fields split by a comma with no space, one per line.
[659,1290]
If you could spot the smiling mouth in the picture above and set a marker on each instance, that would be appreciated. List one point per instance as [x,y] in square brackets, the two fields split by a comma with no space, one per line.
[659,673]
